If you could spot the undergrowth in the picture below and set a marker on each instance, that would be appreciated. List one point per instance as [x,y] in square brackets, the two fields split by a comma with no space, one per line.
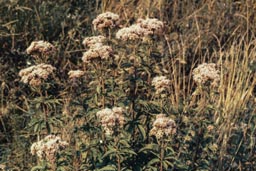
[140,103]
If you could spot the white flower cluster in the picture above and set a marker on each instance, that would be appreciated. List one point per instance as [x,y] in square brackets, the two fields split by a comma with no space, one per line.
[141,29]
[47,148]
[35,74]
[206,73]
[133,32]
[161,83]
[40,47]
[163,127]
[75,74]
[106,20]
[152,25]
[92,41]
[98,51]
[111,119]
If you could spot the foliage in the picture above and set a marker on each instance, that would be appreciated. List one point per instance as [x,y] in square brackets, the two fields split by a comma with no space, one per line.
[215,125]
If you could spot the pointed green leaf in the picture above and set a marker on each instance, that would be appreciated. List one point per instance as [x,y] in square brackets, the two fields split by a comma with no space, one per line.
[149,147]
[108,168]
[128,151]
[142,132]
[37,168]
[109,152]
[153,161]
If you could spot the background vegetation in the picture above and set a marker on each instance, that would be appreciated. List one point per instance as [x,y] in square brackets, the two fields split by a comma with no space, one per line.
[215,127]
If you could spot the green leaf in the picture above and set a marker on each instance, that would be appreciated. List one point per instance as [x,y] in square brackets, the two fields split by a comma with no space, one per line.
[170,150]
[168,163]
[124,142]
[36,127]
[142,131]
[61,169]
[165,165]
[128,151]
[109,152]
[126,65]
[149,147]
[108,168]
[153,161]
[98,89]
[36,168]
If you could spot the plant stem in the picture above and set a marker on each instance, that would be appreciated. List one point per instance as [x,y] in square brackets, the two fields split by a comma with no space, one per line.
[102,83]
[118,163]
[2,112]
[161,154]
[117,154]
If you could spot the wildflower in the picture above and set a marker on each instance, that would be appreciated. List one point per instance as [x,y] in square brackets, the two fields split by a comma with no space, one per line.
[206,73]
[134,32]
[40,47]
[98,51]
[34,75]
[142,29]
[111,119]
[152,25]
[91,41]
[75,74]
[48,147]
[163,127]
[106,20]
[161,83]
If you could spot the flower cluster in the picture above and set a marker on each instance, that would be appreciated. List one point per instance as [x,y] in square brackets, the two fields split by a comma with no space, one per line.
[163,127]
[41,47]
[152,25]
[111,119]
[106,20]
[98,51]
[205,73]
[75,74]
[142,29]
[161,83]
[48,147]
[35,74]
[133,32]
[92,41]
